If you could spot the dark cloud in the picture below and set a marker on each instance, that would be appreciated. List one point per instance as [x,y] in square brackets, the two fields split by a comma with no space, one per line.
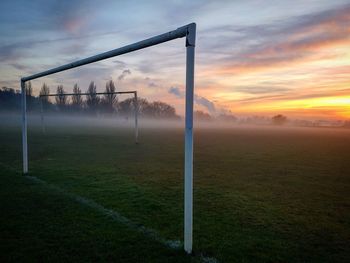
[176,91]
[68,46]
[284,41]
[29,17]
[19,66]
[70,16]
[199,100]
[12,52]
[124,74]
[151,83]
[209,105]
[119,64]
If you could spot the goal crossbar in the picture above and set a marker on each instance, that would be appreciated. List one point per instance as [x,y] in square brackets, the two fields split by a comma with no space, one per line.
[136,107]
[187,31]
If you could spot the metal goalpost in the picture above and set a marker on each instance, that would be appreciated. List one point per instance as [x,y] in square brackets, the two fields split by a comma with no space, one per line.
[187,31]
[136,107]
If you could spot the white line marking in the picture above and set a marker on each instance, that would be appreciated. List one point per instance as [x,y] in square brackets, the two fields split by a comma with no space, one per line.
[149,232]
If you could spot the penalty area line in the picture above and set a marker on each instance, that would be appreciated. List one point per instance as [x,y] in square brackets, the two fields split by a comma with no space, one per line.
[149,232]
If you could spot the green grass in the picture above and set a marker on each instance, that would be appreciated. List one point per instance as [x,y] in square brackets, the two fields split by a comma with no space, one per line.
[267,195]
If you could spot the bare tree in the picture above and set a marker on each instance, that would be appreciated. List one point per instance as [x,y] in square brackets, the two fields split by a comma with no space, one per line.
[44,91]
[77,100]
[201,116]
[158,109]
[127,107]
[29,90]
[110,100]
[61,99]
[92,100]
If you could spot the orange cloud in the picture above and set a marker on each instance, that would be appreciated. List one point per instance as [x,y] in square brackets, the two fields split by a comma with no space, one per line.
[310,42]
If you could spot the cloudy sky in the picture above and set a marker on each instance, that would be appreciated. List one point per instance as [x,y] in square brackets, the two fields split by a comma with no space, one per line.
[252,57]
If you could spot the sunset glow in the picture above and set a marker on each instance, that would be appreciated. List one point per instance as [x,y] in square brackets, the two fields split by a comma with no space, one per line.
[295,60]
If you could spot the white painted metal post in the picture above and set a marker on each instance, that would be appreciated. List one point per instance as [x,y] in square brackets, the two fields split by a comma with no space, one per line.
[136,108]
[188,215]
[42,116]
[24,128]
[188,31]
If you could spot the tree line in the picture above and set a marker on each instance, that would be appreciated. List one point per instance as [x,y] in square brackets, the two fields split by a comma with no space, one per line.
[93,104]
[90,104]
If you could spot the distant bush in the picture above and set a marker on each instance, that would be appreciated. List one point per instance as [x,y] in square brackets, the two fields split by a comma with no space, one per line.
[279,119]
[202,116]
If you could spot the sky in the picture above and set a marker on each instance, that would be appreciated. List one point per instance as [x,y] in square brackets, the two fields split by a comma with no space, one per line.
[252,57]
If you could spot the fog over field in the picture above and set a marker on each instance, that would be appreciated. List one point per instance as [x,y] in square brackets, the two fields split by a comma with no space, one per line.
[57,121]
[264,192]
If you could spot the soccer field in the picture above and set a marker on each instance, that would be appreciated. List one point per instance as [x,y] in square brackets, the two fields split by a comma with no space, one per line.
[260,194]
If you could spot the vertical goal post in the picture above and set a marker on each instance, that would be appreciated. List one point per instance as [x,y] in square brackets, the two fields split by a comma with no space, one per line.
[136,106]
[187,31]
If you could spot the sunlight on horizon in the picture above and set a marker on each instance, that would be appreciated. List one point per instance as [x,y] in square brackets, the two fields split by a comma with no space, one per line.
[290,58]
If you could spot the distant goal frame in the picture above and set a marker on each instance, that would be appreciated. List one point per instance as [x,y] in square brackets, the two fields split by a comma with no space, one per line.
[136,106]
[187,31]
